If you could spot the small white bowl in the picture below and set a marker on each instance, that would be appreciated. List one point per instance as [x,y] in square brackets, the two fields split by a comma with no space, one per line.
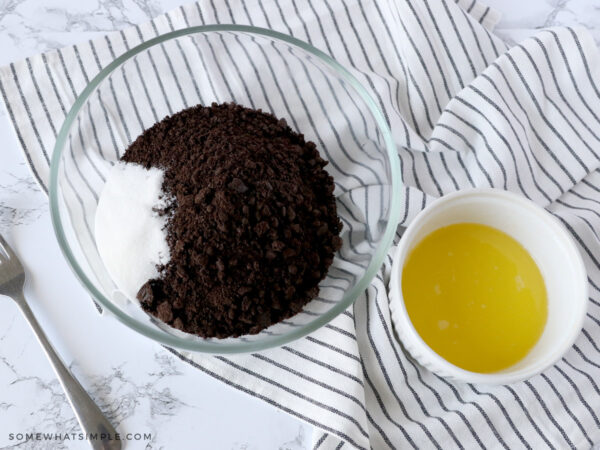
[551,247]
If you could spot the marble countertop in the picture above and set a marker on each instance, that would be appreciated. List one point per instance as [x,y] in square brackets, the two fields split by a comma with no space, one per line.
[140,386]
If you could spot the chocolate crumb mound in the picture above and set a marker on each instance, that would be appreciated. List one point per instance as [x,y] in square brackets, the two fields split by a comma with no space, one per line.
[252,228]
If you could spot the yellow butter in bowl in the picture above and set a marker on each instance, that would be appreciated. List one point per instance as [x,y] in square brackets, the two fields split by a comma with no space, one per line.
[487,287]
[475,296]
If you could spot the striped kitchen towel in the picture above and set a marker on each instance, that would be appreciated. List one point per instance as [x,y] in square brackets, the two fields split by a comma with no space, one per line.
[465,111]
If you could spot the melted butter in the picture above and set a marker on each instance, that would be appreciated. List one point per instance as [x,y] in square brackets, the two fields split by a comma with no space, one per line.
[475,296]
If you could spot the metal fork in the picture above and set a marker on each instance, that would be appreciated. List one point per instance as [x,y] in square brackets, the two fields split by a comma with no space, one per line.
[91,419]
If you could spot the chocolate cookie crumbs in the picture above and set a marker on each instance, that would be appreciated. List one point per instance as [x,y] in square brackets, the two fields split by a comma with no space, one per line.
[252,228]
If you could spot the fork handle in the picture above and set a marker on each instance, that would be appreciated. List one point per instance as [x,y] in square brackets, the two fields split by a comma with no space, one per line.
[87,412]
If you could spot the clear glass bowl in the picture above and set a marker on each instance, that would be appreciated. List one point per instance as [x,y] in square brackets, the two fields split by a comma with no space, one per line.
[257,68]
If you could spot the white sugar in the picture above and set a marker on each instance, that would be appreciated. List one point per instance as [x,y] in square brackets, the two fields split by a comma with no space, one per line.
[130,234]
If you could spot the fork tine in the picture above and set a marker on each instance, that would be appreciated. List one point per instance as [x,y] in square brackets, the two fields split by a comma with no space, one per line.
[8,252]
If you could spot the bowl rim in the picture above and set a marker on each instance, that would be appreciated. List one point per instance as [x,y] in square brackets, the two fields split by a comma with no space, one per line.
[238,346]
[417,346]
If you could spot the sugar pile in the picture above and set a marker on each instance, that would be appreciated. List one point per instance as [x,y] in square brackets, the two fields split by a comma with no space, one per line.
[130,235]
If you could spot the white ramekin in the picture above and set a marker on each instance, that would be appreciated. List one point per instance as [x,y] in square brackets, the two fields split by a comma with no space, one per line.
[550,245]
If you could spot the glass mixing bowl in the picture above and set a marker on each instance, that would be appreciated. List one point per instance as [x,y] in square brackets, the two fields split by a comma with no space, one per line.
[257,68]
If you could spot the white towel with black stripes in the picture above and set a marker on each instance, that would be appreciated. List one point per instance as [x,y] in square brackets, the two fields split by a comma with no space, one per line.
[465,110]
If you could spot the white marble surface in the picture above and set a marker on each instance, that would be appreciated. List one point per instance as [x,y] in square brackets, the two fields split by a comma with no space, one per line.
[140,386]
